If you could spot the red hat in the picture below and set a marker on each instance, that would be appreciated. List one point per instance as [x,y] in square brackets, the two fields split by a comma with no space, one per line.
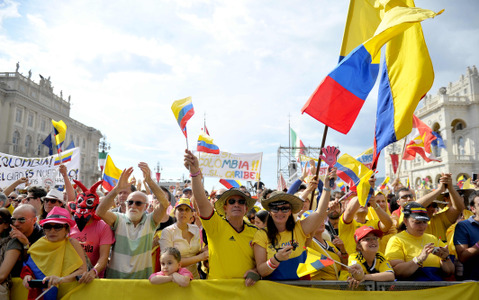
[364,231]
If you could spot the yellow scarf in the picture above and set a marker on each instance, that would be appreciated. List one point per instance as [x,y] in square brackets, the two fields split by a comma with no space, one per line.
[55,258]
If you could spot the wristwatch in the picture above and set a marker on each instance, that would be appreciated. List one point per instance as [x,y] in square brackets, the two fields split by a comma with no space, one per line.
[26,246]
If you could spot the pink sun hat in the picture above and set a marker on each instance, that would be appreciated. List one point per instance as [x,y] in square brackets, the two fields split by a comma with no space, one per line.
[58,215]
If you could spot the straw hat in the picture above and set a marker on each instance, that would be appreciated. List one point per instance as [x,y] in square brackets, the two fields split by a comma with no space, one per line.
[276,196]
[219,205]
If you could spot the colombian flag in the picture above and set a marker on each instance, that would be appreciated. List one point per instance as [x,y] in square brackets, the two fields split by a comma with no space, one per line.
[407,75]
[60,130]
[339,98]
[64,158]
[111,174]
[230,183]
[205,144]
[350,170]
[183,111]
[314,261]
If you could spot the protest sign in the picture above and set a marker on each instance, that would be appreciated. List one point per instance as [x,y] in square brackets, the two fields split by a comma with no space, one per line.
[240,166]
[42,171]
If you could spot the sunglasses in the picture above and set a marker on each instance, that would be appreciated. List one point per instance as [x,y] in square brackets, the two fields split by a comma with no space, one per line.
[52,201]
[240,201]
[30,199]
[406,196]
[13,198]
[57,227]
[20,220]
[284,209]
[137,203]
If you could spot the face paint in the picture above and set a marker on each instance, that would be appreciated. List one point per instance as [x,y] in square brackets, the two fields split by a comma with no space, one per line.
[86,205]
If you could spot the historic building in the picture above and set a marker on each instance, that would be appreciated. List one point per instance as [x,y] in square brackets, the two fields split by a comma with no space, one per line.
[453,113]
[26,111]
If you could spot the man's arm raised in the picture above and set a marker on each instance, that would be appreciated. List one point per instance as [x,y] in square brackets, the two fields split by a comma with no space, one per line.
[205,208]
[160,210]
[103,210]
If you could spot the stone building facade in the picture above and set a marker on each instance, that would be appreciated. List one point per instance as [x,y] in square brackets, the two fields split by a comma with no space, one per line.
[453,113]
[26,111]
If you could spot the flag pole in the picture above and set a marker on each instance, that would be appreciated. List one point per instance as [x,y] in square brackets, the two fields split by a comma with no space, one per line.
[323,142]
[398,171]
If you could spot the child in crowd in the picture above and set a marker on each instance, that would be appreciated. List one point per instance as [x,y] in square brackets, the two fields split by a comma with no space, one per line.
[171,270]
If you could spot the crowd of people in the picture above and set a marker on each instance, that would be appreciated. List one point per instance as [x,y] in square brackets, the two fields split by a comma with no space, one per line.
[144,231]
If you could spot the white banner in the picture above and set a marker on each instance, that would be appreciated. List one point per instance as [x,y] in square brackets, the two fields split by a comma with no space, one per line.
[42,171]
[238,166]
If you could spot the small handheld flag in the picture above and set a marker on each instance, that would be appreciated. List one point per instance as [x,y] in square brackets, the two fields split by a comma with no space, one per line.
[111,175]
[230,183]
[183,111]
[205,144]
[60,133]
[315,261]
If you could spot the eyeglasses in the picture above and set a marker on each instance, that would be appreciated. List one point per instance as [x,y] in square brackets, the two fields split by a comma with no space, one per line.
[239,201]
[52,201]
[20,220]
[370,239]
[137,203]
[406,196]
[284,209]
[57,227]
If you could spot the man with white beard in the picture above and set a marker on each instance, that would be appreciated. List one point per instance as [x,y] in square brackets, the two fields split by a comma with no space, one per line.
[134,230]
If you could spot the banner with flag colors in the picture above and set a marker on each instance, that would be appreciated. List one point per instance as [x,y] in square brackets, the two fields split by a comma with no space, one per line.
[183,111]
[111,174]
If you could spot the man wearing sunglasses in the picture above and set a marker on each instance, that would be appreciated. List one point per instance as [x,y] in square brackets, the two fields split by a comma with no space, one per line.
[26,230]
[133,228]
[229,236]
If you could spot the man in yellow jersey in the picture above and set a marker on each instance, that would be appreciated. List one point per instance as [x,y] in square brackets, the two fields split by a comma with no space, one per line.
[440,221]
[229,237]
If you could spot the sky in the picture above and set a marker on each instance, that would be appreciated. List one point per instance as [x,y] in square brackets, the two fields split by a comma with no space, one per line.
[249,67]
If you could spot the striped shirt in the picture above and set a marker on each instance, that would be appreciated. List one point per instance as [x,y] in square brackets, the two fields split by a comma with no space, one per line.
[131,253]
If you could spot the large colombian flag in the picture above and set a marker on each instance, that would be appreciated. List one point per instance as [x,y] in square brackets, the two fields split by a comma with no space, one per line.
[205,144]
[339,98]
[111,174]
[183,111]
[407,75]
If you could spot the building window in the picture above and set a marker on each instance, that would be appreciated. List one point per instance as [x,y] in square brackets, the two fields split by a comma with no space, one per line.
[43,125]
[28,143]
[18,115]
[16,141]
[30,120]
[460,146]
[83,143]
[465,91]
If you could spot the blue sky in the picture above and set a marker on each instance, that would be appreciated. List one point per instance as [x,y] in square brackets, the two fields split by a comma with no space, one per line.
[248,65]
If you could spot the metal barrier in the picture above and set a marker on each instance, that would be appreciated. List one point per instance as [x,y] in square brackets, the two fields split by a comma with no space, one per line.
[331,284]
[412,285]
[372,285]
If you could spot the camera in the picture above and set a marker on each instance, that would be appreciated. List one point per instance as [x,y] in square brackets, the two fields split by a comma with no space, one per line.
[37,283]
[295,245]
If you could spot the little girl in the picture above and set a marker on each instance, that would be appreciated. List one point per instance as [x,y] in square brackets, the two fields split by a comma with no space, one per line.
[171,269]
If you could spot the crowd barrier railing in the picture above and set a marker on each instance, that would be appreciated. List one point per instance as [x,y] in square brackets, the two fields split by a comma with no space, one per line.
[118,289]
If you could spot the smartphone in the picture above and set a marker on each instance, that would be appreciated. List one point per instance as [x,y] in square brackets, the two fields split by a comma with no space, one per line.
[474,176]
[37,283]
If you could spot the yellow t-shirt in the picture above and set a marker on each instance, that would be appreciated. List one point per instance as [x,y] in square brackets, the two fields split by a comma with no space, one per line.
[346,232]
[230,252]
[380,264]
[330,272]
[405,247]
[287,270]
